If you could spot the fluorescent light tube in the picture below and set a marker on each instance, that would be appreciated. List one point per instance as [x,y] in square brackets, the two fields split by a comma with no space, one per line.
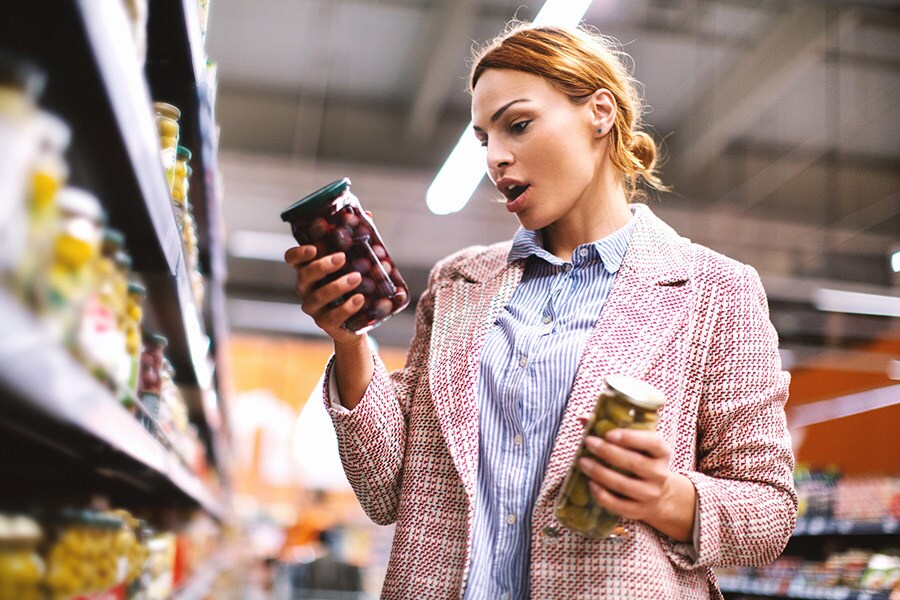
[465,167]
[856,303]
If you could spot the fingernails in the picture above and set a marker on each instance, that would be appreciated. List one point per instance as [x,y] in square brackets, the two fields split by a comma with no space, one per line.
[354,278]
[337,258]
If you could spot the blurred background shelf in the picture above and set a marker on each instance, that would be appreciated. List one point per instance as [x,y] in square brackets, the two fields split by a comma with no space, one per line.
[79,426]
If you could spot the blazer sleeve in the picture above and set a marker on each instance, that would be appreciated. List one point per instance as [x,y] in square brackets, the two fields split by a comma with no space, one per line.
[372,436]
[744,477]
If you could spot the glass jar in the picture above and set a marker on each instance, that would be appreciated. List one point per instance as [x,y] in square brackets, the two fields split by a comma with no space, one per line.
[134,315]
[626,403]
[181,186]
[167,127]
[150,379]
[21,567]
[21,83]
[332,220]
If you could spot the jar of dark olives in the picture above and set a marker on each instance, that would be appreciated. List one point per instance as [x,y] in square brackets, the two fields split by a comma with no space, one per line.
[333,221]
[626,403]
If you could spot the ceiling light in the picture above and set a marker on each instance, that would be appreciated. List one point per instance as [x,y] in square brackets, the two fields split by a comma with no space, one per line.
[465,167]
[895,261]
[856,303]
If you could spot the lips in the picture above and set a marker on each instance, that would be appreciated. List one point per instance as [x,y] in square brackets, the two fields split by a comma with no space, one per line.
[511,188]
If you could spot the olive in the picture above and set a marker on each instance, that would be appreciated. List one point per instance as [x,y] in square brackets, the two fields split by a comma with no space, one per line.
[602,427]
[619,413]
[578,492]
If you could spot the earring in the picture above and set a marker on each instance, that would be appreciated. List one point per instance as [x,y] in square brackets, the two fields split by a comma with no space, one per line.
[599,130]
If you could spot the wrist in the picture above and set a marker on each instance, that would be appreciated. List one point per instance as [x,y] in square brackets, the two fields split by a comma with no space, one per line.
[677,508]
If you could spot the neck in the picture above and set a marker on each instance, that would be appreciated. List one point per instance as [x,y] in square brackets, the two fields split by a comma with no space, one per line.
[602,211]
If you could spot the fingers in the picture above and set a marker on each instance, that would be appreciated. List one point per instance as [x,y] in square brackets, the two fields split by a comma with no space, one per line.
[621,486]
[299,255]
[647,442]
[309,274]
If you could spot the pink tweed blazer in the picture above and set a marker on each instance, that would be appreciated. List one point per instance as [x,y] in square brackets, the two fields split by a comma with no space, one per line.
[689,321]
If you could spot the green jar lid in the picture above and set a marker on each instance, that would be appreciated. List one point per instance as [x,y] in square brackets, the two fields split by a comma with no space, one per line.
[315,200]
[158,339]
[182,153]
[136,288]
[113,237]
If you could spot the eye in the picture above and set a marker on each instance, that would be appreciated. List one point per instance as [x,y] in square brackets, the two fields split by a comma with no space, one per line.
[520,127]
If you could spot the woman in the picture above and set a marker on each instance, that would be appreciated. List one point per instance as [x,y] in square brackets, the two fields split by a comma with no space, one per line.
[466,447]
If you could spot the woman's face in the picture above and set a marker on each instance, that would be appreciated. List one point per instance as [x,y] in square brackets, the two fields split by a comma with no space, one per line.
[542,149]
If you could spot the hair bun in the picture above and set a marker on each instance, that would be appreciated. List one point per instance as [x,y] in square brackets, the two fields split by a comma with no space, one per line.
[644,149]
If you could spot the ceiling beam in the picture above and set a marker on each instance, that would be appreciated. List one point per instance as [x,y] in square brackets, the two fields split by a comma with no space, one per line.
[723,110]
[453,24]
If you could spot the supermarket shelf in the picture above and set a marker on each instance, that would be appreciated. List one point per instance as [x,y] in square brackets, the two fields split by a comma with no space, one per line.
[173,34]
[202,581]
[96,84]
[815,526]
[776,589]
[72,397]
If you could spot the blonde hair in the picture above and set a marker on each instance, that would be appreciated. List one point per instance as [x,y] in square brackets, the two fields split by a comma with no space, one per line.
[579,62]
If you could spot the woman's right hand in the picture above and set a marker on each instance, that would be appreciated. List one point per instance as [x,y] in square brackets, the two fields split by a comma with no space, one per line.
[311,269]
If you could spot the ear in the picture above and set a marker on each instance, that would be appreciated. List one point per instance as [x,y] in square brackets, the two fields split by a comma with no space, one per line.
[603,111]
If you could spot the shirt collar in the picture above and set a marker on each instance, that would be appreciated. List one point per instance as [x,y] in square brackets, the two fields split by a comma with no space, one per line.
[610,249]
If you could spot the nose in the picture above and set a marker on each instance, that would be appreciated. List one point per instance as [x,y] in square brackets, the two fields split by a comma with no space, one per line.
[498,156]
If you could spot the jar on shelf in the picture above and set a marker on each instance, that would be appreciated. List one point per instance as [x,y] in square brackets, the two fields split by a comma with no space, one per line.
[333,220]
[49,172]
[70,279]
[167,117]
[134,315]
[21,83]
[21,567]
[101,338]
[627,403]
[83,557]
[181,185]
[151,377]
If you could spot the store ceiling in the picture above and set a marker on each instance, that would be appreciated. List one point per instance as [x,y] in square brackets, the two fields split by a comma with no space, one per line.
[780,120]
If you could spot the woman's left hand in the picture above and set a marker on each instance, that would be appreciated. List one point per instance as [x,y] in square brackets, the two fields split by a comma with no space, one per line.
[650,492]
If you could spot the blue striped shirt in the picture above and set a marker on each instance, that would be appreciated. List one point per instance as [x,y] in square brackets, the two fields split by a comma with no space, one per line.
[527,369]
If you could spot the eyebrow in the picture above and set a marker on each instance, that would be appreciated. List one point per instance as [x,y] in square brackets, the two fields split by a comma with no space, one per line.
[500,111]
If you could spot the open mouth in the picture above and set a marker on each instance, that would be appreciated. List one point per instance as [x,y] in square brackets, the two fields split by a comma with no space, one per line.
[514,191]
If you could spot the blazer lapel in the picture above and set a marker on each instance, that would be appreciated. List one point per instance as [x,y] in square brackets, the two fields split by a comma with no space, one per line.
[465,309]
[648,305]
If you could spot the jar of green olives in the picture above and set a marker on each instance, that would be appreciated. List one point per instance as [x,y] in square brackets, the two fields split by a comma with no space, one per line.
[625,403]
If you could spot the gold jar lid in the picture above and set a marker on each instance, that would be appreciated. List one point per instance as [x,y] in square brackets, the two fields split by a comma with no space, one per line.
[164,109]
[640,393]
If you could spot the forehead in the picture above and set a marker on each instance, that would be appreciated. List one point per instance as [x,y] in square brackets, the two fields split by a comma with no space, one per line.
[497,87]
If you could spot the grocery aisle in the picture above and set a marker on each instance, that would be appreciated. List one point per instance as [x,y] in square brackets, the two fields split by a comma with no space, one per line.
[149,452]
[114,413]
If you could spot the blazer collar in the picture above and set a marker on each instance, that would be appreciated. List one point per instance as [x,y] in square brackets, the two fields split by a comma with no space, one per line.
[656,253]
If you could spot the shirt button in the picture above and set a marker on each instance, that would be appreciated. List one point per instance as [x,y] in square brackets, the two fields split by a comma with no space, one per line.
[518,439]
[567,267]
[583,252]
[523,361]
[547,319]
[511,519]
[504,596]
